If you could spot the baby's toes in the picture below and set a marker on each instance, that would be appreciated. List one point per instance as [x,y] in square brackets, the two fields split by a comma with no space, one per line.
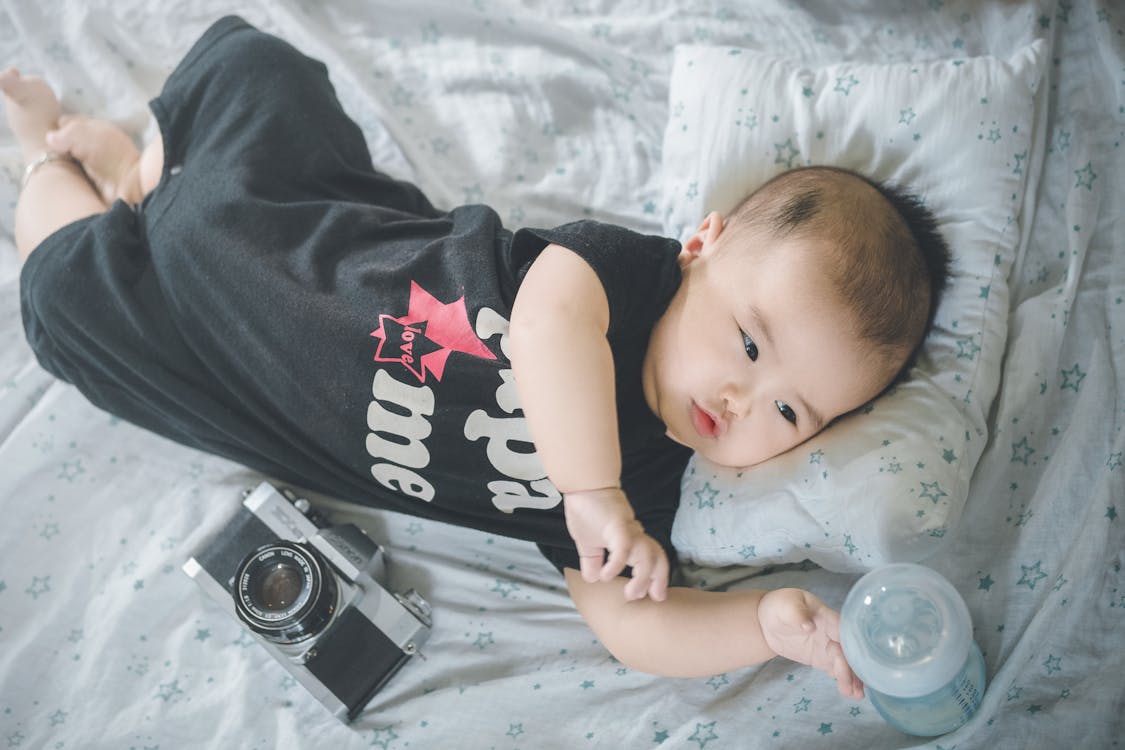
[8,79]
[22,89]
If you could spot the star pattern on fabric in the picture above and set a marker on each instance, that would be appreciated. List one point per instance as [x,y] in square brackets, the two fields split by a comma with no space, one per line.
[786,153]
[1085,177]
[1072,378]
[1032,575]
[705,496]
[1020,157]
[169,690]
[504,588]
[700,737]
[845,84]
[383,737]
[748,121]
[71,470]
[967,348]
[933,491]
[717,681]
[1021,451]
[38,586]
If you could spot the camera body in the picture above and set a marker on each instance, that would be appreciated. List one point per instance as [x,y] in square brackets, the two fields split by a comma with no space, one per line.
[310,594]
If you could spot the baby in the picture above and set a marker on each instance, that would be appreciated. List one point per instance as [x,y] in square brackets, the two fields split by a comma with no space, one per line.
[250,286]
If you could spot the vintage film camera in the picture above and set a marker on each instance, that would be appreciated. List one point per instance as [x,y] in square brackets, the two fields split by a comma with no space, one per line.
[310,594]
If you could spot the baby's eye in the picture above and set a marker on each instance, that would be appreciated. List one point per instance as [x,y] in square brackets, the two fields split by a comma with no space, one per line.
[786,411]
[750,346]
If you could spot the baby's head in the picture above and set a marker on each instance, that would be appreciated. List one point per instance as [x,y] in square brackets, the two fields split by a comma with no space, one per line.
[810,299]
[879,248]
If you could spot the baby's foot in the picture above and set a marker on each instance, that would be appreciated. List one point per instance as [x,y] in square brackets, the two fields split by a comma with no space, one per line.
[32,109]
[107,153]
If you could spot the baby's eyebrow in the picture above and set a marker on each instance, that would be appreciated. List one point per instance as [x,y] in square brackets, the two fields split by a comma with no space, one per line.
[761,326]
[817,419]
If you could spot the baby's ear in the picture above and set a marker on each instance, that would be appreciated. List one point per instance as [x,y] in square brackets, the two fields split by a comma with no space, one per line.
[704,237]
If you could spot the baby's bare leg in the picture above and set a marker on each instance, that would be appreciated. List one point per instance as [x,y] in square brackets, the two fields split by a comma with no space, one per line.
[106,152]
[58,191]
[152,164]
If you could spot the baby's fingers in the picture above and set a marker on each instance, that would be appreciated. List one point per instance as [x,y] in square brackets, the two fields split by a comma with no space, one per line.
[826,619]
[650,571]
[70,137]
[639,583]
[620,543]
[658,585]
[590,563]
[849,685]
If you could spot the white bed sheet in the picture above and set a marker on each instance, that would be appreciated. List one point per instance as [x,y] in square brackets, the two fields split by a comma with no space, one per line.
[552,112]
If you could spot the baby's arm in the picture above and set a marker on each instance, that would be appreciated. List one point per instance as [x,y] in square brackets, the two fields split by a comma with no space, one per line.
[563,368]
[700,633]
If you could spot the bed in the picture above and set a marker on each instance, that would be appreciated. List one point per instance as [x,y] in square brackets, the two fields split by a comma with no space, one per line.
[551,112]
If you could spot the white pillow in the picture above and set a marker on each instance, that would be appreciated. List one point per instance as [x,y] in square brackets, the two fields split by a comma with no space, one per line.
[888,482]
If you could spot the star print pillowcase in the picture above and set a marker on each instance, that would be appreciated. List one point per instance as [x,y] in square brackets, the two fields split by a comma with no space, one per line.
[888,482]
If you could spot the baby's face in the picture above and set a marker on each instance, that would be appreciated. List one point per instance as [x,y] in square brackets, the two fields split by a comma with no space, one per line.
[751,359]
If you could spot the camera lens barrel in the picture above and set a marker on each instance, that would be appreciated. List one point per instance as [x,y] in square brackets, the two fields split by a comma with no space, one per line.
[285,592]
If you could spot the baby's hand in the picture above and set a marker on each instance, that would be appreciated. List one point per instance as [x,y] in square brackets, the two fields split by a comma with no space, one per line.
[603,520]
[799,626]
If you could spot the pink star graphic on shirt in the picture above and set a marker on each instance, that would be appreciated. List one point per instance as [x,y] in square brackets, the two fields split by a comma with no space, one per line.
[423,339]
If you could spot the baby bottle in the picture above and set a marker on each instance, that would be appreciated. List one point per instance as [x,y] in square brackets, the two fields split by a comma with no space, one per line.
[907,634]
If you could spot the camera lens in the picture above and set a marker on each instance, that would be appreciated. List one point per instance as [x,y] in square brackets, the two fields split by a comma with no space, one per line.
[278,587]
[285,592]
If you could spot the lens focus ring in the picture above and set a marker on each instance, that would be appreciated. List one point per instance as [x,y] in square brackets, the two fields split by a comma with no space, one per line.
[284,592]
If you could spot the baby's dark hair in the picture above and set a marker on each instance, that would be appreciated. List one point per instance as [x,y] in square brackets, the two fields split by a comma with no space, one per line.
[887,260]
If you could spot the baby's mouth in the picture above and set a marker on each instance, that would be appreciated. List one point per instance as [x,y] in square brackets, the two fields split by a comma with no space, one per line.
[704,422]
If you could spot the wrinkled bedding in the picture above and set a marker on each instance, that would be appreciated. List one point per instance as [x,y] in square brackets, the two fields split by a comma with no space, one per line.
[551,112]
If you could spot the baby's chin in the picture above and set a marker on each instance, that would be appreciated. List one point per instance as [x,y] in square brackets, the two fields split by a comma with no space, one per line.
[714,455]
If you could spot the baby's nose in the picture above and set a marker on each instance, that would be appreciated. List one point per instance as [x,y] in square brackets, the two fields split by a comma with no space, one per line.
[736,400]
